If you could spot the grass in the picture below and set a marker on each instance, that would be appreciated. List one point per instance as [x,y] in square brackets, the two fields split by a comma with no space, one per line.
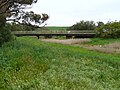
[103,45]
[29,64]
[102,41]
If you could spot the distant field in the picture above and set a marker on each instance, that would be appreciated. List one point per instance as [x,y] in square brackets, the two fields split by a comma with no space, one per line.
[56,28]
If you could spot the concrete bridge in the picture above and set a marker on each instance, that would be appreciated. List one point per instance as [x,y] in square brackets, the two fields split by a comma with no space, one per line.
[51,34]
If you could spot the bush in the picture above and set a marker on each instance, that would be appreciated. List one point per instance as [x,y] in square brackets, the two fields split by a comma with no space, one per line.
[83,25]
[109,30]
[5,35]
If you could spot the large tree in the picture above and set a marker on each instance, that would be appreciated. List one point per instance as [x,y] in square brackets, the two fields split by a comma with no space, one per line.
[13,10]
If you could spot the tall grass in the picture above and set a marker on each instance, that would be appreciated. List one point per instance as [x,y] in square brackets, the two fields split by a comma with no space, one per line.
[29,64]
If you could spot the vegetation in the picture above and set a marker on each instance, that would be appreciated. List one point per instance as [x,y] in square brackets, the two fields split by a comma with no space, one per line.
[83,25]
[109,30]
[5,35]
[19,27]
[29,64]
[103,45]
[102,41]
[13,10]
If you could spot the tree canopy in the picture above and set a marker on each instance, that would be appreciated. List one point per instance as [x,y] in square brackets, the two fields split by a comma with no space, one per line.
[13,10]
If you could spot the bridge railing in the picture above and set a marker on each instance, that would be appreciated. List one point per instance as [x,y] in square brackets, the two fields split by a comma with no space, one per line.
[81,31]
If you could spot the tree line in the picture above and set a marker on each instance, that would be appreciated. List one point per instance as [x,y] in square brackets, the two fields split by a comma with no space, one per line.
[111,29]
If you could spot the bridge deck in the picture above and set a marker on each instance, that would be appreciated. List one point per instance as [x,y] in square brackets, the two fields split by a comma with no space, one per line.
[80,35]
[77,35]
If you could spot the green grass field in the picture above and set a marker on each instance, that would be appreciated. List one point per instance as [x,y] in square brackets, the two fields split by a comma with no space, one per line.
[29,64]
[56,28]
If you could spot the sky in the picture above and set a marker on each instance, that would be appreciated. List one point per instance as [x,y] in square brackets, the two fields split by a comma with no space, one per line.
[69,12]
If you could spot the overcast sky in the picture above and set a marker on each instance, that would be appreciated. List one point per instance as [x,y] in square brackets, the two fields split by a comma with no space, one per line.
[68,12]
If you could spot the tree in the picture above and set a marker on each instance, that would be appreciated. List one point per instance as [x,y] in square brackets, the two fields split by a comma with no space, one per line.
[83,25]
[109,30]
[13,10]
[99,24]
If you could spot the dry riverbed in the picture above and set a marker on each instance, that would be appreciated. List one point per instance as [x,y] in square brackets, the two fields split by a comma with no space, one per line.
[109,48]
[67,41]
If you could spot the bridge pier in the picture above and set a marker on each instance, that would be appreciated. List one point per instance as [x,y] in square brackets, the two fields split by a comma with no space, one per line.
[38,37]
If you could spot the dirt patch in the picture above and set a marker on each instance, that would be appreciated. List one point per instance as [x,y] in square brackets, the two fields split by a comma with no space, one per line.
[67,41]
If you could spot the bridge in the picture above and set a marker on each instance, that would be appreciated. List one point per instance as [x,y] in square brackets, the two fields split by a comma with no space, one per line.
[50,34]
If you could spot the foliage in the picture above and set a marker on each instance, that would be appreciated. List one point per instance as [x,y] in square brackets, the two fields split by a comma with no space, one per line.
[109,30]
[13,10]
[99,24]
[19,27]
[5,35]
[83,25]
[28,64]
[29,17]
